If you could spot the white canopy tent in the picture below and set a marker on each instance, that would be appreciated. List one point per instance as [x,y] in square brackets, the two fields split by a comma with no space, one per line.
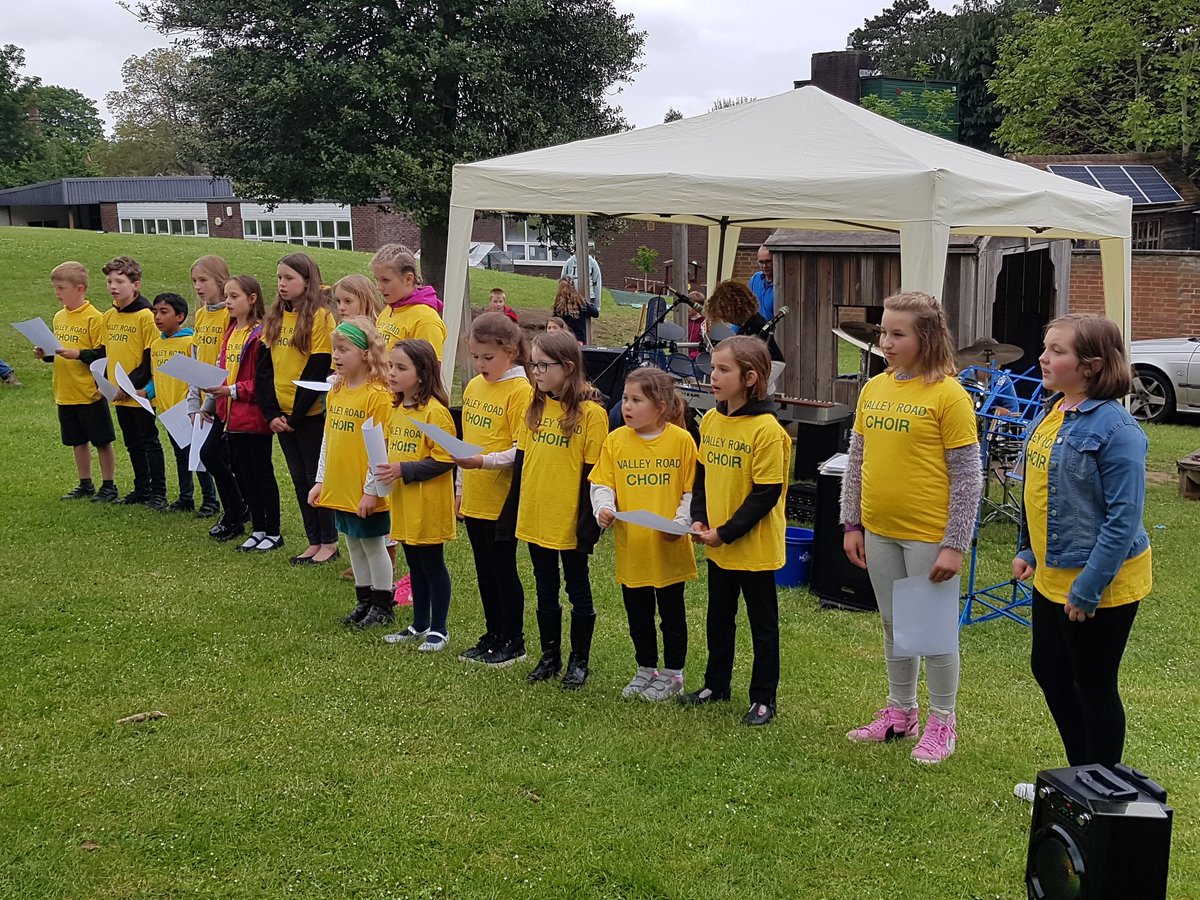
[804,159]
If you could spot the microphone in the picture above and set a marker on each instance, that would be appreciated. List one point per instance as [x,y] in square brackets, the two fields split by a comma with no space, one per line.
[773,321]
[684,298]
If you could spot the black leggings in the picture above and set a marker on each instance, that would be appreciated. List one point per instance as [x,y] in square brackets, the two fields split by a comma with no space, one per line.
[215,456]
[255,474]
[500,588]
[139,430]
[762,609]
[574,572]
[430,586]
[1076,664]
[639,607]
[302,450]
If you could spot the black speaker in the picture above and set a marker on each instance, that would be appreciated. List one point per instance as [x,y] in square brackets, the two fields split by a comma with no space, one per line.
[1098,834]
[836,580]
[606,369]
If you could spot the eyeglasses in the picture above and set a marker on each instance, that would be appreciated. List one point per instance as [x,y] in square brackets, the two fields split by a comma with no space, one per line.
[764,263]
[542,367]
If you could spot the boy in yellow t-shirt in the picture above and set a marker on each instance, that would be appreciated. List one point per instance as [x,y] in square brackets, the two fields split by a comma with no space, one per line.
[413,309]
[129,332]
[170,312]
[83,417]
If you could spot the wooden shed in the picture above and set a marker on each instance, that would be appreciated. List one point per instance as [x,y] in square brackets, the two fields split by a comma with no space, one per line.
[1004,288]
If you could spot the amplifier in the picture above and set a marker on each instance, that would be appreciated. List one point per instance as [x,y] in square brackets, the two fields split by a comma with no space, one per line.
[1098,833]
[836,580]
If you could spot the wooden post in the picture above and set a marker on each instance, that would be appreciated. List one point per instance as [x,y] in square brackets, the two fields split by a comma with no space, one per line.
[680,269]
[583,265]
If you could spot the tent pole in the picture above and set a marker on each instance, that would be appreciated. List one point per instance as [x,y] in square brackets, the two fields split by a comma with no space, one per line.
[583,270]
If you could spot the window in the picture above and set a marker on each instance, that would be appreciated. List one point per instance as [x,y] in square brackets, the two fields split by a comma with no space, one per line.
[525,242]
[1147,234]
[185,227]
[301,232]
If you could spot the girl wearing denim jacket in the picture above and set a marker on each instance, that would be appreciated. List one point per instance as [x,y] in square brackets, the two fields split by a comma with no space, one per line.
[1085,547]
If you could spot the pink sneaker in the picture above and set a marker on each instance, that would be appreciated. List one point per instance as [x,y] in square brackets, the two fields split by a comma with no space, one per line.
[892,725]
[403,595]
[937,742]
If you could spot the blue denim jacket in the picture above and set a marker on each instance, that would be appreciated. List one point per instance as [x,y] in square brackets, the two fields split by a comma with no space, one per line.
[1096,483]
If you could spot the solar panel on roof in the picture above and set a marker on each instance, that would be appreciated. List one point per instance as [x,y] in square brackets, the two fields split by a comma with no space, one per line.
[1113,178]
[1156,188]
[1075,173]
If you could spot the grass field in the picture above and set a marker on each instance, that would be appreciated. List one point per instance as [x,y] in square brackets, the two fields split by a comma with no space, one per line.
[301,759]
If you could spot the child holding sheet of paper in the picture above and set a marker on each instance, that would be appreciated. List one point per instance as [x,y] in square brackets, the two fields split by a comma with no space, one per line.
[170,312]
[240,428]
[650,464]
[422,477]
[345,483]
[909,501]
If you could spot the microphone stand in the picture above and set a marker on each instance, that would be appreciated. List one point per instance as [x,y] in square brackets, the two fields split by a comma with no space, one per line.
[635,346]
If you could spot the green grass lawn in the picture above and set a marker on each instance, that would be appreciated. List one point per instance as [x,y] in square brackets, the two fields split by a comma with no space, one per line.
[298,758]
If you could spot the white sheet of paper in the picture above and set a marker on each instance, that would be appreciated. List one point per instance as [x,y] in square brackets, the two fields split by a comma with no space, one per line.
[126,385]
[200,430]
[39,334]
[107,389]
[194,372]
[321,387]
[376,443]
[924,616]
[178,423]
[448,442]
[652,520]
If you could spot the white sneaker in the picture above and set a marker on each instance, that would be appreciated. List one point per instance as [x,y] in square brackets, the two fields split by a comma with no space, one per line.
[664,686]
[1025,791]
[639,682]
[434,642]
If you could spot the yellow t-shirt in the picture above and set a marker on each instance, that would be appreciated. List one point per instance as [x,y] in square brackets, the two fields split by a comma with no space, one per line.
[127,336]
[345,451]
[167,390]
[907,427]
[737,451]
[422,513]
[83,329]
[233,352]
[492,415]
[551,475]
[289,363]
[1135,577]
[650,474]
[418,321]
[209,330]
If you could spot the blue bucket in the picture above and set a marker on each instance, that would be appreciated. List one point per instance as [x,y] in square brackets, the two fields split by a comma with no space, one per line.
[798,544]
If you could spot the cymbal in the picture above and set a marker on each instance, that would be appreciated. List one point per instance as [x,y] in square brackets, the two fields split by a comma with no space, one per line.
[861,345]
[669,331]
[718,331]
[862,331]
[987,352]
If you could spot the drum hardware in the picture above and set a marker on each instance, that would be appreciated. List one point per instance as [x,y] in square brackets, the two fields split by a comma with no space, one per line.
[865,337]
[987,352]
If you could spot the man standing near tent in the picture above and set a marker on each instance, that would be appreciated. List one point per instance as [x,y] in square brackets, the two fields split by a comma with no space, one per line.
[570,270]
[762,283]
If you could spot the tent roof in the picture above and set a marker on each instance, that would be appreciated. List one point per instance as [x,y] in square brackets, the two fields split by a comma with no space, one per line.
[802,159]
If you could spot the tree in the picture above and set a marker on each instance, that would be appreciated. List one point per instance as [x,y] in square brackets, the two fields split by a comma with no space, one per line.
[644,260]
[157,130]
[354,101]
[729,102]
[46,131]
[1103,78]
[673,115]
[907,33]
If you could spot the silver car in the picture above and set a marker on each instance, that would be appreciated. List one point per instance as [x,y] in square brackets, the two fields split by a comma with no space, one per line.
[1166,378]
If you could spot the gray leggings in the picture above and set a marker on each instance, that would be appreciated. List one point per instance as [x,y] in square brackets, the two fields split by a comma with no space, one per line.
[370,561]
[887,561]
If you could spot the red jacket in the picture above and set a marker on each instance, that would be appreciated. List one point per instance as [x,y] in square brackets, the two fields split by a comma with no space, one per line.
[243,414]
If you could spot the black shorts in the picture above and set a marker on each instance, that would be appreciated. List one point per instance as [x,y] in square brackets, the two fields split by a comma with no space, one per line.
[86,423]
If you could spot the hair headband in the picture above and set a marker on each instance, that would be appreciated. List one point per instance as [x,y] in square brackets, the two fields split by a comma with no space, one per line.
[353,334]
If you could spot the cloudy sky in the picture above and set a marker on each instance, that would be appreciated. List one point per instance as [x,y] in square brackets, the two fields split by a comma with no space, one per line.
[696,50]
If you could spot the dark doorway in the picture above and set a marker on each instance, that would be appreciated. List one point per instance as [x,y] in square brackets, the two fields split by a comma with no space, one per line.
[1024,304]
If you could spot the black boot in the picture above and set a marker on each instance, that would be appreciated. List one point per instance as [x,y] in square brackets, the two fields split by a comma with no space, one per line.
[361,608]
[380,612]
[550,632]
[581,648]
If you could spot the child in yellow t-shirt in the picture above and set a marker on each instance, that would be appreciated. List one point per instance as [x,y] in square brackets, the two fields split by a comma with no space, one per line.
[737,513]
[355,295]
[557,446]
[297,330]
[421,474]
[650,465]
[170,312]
[345,483]
[129,332]
[209,324]
[83,417]
[910,497]
[412,310]
[494,404]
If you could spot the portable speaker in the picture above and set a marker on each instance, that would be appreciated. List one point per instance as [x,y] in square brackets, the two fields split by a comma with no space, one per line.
[1098,834]
[835,580]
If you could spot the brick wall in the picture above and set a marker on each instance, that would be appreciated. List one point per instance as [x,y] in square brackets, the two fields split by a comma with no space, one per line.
[109,221]
[373,226]
[231,226]
[1166,291]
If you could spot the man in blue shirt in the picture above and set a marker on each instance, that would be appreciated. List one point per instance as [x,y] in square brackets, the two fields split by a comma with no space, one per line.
[762,284]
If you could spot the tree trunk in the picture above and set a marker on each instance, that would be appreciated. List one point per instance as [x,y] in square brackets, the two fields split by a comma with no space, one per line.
[433,256]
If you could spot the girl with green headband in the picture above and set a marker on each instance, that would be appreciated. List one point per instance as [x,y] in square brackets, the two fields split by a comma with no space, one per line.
[345,483]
